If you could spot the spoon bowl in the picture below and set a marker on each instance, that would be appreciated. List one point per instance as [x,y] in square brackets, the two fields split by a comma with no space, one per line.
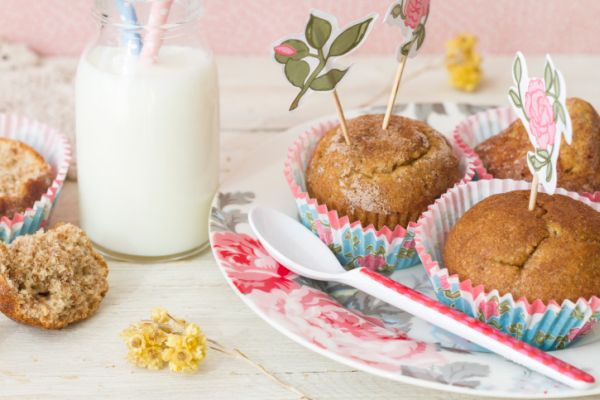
[294,245]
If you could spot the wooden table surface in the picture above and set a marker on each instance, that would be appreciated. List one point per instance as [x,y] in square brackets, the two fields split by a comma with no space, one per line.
[88,359]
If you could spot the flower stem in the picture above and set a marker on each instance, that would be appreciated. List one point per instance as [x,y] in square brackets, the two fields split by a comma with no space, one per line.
[311,78]
[214,345]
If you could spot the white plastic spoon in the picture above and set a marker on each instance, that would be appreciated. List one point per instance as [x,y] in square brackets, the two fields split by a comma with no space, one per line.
[295,247]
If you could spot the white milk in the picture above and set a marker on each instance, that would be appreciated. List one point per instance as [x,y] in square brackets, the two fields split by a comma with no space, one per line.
[147,149]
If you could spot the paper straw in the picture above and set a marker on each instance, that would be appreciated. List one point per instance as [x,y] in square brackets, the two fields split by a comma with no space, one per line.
[131,38]
[159,13]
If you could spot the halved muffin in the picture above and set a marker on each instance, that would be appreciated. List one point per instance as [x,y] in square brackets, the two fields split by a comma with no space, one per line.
[51,279]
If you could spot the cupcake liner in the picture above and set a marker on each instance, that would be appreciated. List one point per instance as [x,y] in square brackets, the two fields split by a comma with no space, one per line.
[383,250]
[55,149]
[548,326]
[480,127]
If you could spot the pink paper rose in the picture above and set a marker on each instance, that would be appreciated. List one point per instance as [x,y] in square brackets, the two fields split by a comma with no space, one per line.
[248,264]
[372,262]
[541,116]
[415,10]
[285,50]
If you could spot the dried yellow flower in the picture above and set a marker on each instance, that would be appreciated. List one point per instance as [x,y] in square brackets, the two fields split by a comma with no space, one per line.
[136,343]
[165,341]
[463,62]
[160,315]
[178,355]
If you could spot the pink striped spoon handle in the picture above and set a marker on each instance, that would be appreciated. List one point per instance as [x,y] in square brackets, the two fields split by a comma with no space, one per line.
[467,327]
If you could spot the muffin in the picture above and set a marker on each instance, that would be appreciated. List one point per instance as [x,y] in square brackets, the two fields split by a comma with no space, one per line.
[532,274]
[384,177]
[505,155]
[51,279]
[501,245]
[24,177]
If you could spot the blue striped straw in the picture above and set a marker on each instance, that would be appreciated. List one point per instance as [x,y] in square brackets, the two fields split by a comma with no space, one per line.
[132,38]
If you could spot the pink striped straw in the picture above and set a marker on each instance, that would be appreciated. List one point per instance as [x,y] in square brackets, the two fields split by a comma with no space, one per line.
[159,13]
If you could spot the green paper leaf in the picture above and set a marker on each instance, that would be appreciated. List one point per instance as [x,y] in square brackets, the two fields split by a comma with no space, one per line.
[318,31]
[535,163]
[559,112]
[548,76]
[517,70]
[549,172]
[543,154]
[349,39]
[557,84]
[302,51]
[420,37]
[328,81]
[405,49]
[515,98]
[397,11]
[296,72]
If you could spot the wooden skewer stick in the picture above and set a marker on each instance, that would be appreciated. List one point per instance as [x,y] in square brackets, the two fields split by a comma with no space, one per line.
[341,117]
[534,192]
[394,93]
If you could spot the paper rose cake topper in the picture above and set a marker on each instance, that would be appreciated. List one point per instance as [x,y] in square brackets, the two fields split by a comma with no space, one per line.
[411,16]
[541,106]
[308,58]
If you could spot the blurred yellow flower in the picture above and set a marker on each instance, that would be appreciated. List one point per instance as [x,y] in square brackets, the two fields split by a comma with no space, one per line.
[165,341]
[463,62]
[160,315]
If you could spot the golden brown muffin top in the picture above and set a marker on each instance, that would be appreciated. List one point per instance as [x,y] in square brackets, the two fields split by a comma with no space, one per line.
[505,155]
[398,170]
[24,176]
[551,253]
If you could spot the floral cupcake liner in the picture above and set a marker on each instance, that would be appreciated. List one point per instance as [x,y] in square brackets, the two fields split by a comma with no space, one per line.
[383,250]
[548,326]
[480,127]
[55,149]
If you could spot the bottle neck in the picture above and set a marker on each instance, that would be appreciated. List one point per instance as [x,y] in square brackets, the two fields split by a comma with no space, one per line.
[129,22]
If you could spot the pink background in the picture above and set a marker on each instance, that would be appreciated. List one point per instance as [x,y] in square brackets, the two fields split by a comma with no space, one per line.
[62,27]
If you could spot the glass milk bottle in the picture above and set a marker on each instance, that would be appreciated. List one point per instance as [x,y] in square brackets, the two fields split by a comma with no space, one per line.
[147,118]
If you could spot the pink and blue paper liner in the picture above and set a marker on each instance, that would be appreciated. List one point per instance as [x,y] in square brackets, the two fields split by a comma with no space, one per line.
[55,149]
[548,326]
[481,126]
[383,250]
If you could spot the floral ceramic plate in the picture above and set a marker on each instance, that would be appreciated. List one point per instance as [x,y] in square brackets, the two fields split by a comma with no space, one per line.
[349,326]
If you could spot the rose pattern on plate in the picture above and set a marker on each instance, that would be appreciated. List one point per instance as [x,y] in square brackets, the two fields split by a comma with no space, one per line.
[248,264]
[316,317]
